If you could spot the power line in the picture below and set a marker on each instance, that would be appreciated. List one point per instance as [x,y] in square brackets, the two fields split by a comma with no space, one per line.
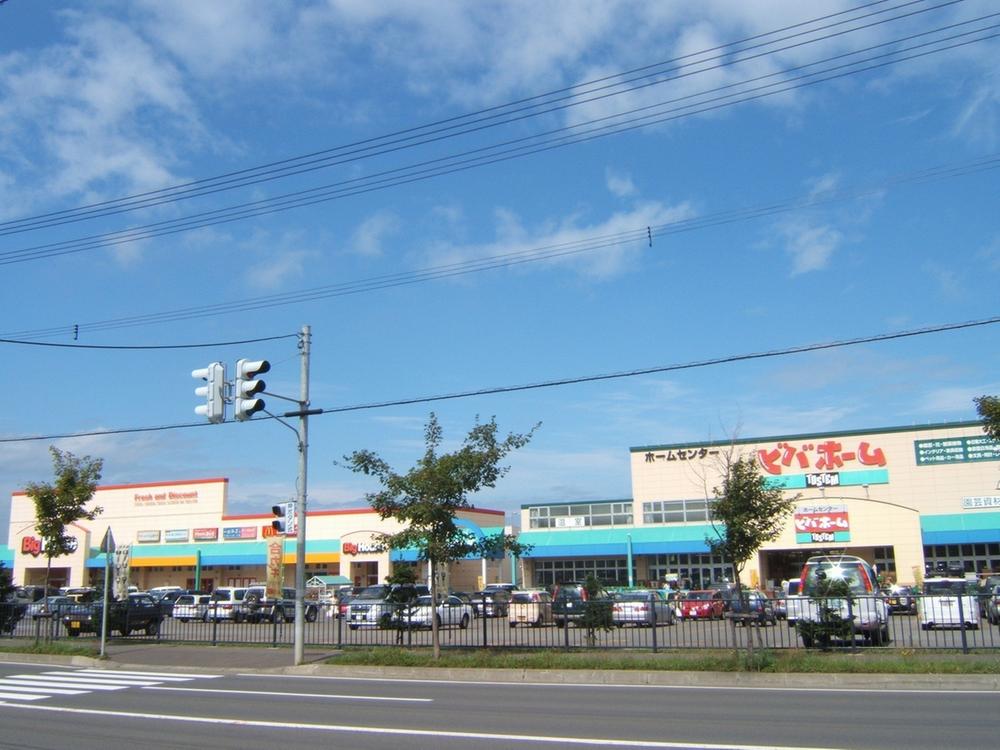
[547,252]
[320,159]
[514,148]
[575,380]
[148,346]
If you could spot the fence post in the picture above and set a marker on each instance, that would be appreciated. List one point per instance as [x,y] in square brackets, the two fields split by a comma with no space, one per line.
[652,613]
[483,611]
[961,622]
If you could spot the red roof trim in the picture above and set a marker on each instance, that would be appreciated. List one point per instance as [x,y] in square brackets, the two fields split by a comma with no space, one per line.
[214,480]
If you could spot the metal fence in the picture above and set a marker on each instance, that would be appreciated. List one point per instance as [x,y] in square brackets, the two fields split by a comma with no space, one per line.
[909,628]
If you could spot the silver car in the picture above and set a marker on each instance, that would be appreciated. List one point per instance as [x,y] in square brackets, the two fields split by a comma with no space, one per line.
[642,608]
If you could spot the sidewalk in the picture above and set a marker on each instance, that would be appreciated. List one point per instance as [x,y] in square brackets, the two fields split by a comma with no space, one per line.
[237,659]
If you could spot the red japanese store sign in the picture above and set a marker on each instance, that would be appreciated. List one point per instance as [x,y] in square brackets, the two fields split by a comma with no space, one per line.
[823,456]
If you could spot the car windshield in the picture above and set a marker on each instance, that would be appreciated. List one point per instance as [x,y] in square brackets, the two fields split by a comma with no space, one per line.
[700,595]
[635,596]
[848,571]
[944,586]
[423,601]
[375,592]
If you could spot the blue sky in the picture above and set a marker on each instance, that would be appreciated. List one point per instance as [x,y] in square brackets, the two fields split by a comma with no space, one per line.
[781,215]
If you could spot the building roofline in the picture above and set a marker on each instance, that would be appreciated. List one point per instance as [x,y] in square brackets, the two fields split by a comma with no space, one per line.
[576,502]
[808,435]
[142,485]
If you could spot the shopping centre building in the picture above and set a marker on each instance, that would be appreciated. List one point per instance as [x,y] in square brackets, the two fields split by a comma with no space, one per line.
[904,498]
[180,533]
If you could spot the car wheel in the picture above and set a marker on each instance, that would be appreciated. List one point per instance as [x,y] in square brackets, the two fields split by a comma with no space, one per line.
[278,615]
[513,624]
[73,633]
[353,627]
[311,614]
[464,622]
[925,626]
[153,628]
[807,641]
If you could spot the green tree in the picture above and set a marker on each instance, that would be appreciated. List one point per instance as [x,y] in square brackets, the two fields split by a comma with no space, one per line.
[746,514]
[6,585]
[64,502]
[598,611]
[426,498]
[988,408]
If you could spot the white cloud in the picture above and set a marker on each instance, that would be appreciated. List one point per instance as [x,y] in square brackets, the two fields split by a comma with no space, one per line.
[372,233]
[947,279]
[569,242]
[809,247]
[620,185]
[954,401]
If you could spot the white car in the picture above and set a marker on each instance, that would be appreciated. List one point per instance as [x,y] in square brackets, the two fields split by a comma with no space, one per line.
[451,611]
[192,607]
[948,603]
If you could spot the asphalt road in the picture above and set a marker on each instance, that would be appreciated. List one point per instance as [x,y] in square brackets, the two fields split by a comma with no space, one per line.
[47,707]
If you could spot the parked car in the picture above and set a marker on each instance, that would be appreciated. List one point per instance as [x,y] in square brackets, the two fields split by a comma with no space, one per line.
[643,607]
[792,591]
[259,607]
[227,604]
[532,608]
[704,604]
[374,606]
[992,606]
[492,602]
[192,607]
[862,608]
[137,612]
[166,598]
[52,605]
[902,599]
[570,602]
[948,603]
[510,588]
[420,613]
[759,609]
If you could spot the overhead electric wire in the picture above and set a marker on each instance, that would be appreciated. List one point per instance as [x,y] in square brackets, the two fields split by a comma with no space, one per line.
[134,347]
[310,162]
[551,251]
[481,156]
[575,380]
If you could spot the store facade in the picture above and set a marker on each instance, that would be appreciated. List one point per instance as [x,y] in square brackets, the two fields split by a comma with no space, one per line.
[180,533]
[904,498]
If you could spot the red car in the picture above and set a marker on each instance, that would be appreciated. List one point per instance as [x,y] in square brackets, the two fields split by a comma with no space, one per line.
[702,605]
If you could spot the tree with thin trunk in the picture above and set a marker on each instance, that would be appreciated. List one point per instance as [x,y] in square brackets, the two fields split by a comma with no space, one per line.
[988,408]
[426,499]
[64,502]
[746,513]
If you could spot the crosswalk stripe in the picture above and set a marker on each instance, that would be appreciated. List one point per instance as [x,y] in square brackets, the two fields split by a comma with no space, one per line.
[160,675]
[50,689]
[102,680]
[32,687]
[29,682]
[21,697]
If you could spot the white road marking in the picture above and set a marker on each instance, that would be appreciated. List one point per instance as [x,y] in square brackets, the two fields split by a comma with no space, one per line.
[295,695]
[400,732]
[169,676]
[934,690]
[30,687]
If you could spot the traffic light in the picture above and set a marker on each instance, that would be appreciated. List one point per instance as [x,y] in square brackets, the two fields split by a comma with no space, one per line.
[247,386]
[214,392]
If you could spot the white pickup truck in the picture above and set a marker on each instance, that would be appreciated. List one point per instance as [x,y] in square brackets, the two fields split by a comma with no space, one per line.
[948,603]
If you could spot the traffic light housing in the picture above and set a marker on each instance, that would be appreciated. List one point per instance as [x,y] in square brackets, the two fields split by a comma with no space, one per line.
[246,387]
[214,392]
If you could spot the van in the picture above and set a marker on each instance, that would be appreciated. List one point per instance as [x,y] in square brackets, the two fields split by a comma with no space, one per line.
[532,608]
[227,604]
[374,605]
[793,600]
[863,606]
[948,602]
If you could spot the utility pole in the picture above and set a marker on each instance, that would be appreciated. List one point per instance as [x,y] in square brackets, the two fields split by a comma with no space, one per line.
[300,537]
